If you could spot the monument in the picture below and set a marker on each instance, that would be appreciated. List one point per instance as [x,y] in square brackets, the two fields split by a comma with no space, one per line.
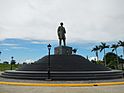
[62,50]
[63,65]
[61,34]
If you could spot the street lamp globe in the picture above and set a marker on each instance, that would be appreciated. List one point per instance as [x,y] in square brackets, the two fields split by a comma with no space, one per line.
[12,57]
[49,46]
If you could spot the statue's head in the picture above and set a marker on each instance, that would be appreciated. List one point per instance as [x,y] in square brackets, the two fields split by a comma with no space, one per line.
[61,24]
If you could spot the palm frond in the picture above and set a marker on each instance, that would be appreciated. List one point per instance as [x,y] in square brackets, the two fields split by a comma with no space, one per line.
[113,50]
[103,46]
[121,43]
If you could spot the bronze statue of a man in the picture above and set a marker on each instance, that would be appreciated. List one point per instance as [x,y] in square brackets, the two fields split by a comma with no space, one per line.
[61,34]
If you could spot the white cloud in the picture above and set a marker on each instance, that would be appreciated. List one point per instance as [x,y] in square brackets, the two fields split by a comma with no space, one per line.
[39,42]
[6,49]
[92,20]
[18,47]
[9,44]
[29,61]
[12,45]
[92,58]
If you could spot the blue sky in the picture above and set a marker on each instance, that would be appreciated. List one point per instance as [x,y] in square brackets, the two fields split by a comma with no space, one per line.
[32,50]
[28,26]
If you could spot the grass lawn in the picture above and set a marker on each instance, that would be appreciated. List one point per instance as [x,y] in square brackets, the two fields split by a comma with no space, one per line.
[4,67]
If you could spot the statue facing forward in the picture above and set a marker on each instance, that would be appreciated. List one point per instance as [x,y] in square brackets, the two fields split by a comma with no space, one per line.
[61,34]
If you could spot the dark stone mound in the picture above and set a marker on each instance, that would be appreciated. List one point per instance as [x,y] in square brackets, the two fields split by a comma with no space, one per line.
[63,63]
[63,67]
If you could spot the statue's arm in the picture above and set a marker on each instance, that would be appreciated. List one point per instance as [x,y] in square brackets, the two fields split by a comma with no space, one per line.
[64,30]
[58,29]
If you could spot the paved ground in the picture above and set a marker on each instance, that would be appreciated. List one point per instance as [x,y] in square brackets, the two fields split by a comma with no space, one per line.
[95,89]
[38,89]
[58,82]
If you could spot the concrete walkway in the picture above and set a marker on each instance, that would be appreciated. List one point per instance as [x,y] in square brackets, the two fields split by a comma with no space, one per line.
[42,89]
[31,89]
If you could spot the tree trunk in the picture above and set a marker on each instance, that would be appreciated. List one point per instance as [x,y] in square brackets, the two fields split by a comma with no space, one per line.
[117,59]
[104,57]
[97,55]
[123,51]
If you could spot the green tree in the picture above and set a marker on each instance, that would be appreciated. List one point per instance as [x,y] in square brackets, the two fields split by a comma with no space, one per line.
[102,47]
[5,62]
[114,48]
[121,43]
[96,50]
[111,59]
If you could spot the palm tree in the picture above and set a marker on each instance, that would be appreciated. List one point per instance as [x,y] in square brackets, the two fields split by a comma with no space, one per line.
[103,46]
[96,49]
[121,43]
[114,48]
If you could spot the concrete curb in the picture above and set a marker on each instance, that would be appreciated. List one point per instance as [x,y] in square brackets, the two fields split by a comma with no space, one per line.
[62,85]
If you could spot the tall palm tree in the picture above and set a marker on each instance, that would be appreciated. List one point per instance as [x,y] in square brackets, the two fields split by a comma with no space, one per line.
[103,46]
[96,49]
[114,48]
[121,43]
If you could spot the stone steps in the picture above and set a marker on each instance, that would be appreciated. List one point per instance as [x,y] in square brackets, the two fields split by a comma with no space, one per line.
[91,75]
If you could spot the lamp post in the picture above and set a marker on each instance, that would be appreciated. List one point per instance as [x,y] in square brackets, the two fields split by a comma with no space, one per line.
[121,61]
[0,54]
[11,62]
[49,48]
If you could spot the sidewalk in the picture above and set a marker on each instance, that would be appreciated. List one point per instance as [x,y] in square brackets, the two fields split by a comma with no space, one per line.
[43,89]
[31,89]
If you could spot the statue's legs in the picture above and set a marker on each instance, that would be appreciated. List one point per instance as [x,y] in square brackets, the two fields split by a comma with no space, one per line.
[60,42]
[64,42]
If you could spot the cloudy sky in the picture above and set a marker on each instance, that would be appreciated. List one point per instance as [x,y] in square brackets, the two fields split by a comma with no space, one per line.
[29,25]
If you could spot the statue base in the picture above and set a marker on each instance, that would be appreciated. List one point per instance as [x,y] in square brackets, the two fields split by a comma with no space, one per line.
[63,50]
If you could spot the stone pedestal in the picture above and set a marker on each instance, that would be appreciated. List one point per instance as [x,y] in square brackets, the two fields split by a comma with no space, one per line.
[63,50]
